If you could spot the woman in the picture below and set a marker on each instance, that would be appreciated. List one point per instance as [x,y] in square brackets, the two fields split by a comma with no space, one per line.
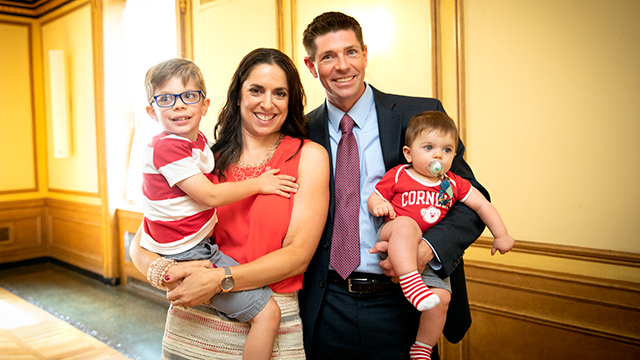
[261,126]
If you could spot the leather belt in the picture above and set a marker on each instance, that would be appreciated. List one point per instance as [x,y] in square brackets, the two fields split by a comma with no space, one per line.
[361,283]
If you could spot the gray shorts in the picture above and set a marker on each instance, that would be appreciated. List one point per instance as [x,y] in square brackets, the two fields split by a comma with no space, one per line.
[429,276]
[241,305]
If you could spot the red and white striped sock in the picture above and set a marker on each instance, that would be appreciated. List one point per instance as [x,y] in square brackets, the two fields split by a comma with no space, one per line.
[417,292]
[420,351]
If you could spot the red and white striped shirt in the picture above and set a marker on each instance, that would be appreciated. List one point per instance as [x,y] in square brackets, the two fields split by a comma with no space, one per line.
[173,221]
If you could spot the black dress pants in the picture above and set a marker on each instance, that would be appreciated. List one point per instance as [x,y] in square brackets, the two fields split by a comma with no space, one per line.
[351,326]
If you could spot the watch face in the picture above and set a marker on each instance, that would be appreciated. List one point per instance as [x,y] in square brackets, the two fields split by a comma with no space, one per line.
[227,283]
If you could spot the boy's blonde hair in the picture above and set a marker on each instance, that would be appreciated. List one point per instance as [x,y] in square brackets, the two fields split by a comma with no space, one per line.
[431,121]
[160,73]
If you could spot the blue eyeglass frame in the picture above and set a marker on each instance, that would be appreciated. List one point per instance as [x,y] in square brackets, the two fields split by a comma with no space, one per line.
[176,96]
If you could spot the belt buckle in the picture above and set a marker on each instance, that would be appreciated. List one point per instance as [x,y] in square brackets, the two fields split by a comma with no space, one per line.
[349,286]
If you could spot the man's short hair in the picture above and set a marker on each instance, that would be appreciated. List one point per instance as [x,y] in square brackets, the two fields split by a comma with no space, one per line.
[325,23]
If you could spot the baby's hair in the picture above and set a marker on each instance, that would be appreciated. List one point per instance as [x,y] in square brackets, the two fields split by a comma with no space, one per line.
[431,121]
[160,73]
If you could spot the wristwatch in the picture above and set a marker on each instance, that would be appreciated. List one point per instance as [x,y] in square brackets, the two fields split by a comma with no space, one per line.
[227,282]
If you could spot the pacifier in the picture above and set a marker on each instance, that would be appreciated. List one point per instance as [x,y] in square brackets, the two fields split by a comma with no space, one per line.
[436,168]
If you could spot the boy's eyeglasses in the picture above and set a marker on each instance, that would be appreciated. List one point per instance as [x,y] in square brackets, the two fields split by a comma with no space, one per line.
[187,97]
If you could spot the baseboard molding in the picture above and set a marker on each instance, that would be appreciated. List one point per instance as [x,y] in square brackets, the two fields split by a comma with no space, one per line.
[27,262]
[47,259]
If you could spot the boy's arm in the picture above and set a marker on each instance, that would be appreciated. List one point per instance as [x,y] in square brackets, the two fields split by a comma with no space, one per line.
[214,195]
[490,216]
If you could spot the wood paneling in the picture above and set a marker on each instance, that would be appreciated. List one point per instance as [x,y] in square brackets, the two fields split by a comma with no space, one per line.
[525,314]
[23,223]
[128,222]
[75,234]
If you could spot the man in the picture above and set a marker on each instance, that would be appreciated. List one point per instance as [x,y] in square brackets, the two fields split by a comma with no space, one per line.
[365,315]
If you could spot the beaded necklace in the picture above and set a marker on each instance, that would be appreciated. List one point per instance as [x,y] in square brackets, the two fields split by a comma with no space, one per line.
[243,171]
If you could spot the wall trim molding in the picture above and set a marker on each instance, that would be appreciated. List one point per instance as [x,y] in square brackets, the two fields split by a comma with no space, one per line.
[22,204]
[448,58]
[569,252]
[74,192]
[33,10]
[73,5]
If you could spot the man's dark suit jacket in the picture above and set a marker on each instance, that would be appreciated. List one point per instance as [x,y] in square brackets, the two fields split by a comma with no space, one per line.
[450,237]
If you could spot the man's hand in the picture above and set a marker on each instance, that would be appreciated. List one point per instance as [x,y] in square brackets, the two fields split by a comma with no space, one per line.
[425,254]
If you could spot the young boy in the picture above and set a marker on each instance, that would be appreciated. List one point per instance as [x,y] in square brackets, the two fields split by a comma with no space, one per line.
[179,199]
[413,198]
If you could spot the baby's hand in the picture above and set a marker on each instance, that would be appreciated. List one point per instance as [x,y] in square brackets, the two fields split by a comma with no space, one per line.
[384,209]
[502,244]
[282,185]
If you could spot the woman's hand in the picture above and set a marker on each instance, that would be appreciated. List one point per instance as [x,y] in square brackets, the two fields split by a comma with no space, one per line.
[198,284]
[174,276]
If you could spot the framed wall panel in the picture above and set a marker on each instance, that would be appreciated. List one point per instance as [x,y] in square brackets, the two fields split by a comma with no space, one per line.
[71,31]
[18,164]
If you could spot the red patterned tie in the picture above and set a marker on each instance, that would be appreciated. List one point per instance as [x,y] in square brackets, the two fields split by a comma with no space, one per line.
[345,241]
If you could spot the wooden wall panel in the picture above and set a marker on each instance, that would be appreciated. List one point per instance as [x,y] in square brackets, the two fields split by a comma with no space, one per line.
[18,163]
[128,222]
[75,234]
[66,231]
[525,314]
[21,228]
[509,337]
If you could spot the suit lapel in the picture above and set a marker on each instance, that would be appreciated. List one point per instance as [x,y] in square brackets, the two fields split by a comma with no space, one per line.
[390,128]
[319,132]
[319,127]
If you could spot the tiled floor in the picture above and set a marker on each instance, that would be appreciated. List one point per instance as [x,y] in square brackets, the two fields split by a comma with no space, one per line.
[28,332]
[129,322]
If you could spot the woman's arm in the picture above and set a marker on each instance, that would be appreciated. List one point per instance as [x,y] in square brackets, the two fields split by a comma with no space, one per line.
[308,218]
[142,259]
